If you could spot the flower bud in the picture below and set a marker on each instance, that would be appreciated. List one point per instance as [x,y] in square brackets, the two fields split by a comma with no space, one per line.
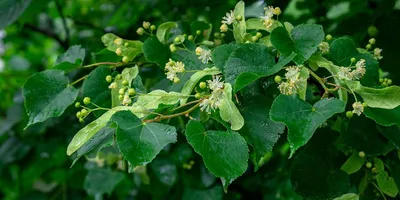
[277,11]
[197,95]
[372,41]
[146,25]
[125,59]
[125,82]
[349,114]
[118,51]
[223,28]
[239,18]
[190,37]
[140,31]
[278,79]
[361,154]
[118,41]
[203,85]
[328,37]
[176,80]
[86,100]
[353,60]
[198,32]
[109,79]
[121,91]
[77,105]
[152,27]
[259,35]
[131,91]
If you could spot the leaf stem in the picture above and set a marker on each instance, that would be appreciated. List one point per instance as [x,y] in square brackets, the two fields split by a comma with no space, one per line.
[100,63]
[319,79]
[383,195]
[186,104]
[77,81]
[157,119]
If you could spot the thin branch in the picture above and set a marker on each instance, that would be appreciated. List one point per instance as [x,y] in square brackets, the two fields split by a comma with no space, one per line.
[157,119]
[64,21]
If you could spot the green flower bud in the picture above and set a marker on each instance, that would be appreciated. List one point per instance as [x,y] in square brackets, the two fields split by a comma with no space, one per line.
[217,35]
[109,79]
[198,32]
[118,77]
[239,18]
[152,27]
[389,81]
[120,97]
[254,38]
[203,85]
[328,37]
[172,48]
[364,105]
[84,112]
[140,31]
[259,35]
[278,79]
[86,100]
[184,35]
[126,44]
[353,60]
[121,91]
[223,28]
[146,25]
[77,105]
[349,114]
[197,95]
[176,80]
[190,37]
[361,154]
[78,114]
[372,41]
[369,46]
[222,35]
[380,80]
[384,84]
[368,165]
[81,120]
[131,91]
[125,59]
[125,82]
[372,31]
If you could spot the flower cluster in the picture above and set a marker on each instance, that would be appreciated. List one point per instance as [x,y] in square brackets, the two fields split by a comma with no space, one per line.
[269,13]
[229,18]
[214,101]
[203,54]
[345,73]
[358,108]
[172,68]
[293,79]
[324,47]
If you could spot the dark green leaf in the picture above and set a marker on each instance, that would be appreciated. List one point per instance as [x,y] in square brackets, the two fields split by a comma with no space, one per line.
[221,54]
[392,133]
[10,10]
[47,94]
[301,118]
[102,181]
[302,40]
[140,142]
[225,154]
[155,51]
[214,193]
[71,59]
[165,171]
[384,117]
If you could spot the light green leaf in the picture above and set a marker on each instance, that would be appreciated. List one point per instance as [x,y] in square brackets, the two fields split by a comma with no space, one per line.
[129,48]
[301,118]
[289,27]
[225,154]
[228,110]
[378,164]
[348,196]
[11,10]
[353,164]
[239,29]
[255,23]
[86,133]
[194,79]
[386,98]
[387,184]
[153,99]
[302,40]
[155,51]
[127,74]
[71,59]
[47,94]
[140,142]
[302,90]
[163,29]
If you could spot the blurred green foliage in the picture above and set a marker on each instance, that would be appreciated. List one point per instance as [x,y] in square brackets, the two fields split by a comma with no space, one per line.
[33,162]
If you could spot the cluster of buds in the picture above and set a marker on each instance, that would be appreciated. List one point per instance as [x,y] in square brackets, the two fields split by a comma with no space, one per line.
[229,19]
[215,99]
[145,26]
[83,113]
[172,68]
[291,85]
[203,54]
[346,73]
[188,166]
[125,93]
[377,51]
[385,82]
[358,109]
[269,13]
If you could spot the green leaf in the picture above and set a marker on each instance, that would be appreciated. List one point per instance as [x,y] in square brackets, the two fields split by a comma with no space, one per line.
[316,166]
[194,79]
[302,87]
[127,74]
[155,51]
[353,164]
[378,164]
[96,88]
[71,59]
[105,56]
[392,133]
[362,135]
[163,29]
[225,154]
[102,181]
[302,40]
[87,132]
[348,196]
[102,139]
[140,142]
[301,118]
[343,49]
[255,59]
[228,110]
[262,132]
[221,54]
[256,24]
[387,184]
[11,10]
[153,99]
[47,94]
[239,28]
[384,117]
[386,98]
[129,48]
[214,193]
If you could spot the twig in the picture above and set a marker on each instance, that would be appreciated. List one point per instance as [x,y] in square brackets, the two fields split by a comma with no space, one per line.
[157,119]
[77,81]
